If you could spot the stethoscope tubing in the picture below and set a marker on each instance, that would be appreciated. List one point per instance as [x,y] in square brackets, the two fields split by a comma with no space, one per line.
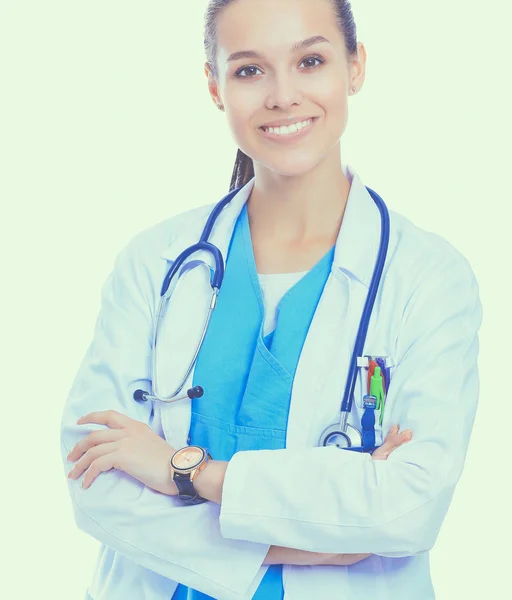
[346,405]
[204,245]
[218,274]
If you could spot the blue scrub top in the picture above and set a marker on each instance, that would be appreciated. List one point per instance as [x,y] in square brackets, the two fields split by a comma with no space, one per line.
[247,378]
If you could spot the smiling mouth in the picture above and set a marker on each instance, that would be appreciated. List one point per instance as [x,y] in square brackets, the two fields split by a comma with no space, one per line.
[289,130]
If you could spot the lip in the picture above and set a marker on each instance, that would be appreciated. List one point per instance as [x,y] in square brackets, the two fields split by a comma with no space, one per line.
[291,137]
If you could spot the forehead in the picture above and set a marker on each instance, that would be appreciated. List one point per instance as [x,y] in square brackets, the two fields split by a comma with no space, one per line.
[273,26]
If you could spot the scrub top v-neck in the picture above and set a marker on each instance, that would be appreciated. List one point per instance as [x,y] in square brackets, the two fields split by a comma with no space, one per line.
[247,377]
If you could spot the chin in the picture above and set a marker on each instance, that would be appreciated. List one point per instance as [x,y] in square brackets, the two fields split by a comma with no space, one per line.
[293,162]
[292,165]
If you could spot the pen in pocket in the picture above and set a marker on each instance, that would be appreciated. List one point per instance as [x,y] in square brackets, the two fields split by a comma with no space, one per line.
[377,390]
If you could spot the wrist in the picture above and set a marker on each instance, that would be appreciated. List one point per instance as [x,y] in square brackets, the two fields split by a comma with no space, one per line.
[185,466]
[208,483]
[345,560]
[280,555]
[325,558]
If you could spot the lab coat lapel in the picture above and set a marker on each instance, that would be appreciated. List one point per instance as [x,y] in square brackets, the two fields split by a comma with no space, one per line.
[175,417]
[323,366]
[322,344]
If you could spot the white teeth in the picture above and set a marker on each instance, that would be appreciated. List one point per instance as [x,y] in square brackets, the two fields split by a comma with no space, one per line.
[286,130]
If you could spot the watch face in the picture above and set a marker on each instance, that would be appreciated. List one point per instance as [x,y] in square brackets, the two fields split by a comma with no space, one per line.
[188,458]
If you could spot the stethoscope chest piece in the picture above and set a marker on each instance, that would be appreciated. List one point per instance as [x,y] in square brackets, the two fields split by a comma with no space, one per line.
[334,436]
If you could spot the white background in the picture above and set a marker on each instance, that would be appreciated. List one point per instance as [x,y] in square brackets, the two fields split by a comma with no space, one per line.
[107,127]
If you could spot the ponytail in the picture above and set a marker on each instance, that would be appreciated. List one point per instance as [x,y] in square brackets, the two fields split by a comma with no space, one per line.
[243,171]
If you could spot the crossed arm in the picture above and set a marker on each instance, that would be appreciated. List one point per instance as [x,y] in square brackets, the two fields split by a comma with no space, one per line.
[223,558]
[209,485]
[131,446]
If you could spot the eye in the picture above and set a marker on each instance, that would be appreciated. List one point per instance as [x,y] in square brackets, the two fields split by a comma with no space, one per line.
[238,73]
[313,57]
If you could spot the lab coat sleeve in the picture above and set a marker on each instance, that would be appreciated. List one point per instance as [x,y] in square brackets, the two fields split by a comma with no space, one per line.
[323,499]
[182,543]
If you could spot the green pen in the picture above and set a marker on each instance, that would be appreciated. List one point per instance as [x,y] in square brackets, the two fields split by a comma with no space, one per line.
[377,390]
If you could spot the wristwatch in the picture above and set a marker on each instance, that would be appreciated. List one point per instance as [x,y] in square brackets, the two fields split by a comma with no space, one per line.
[186,463]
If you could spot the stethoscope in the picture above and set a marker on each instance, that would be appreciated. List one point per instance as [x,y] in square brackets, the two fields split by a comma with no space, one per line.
[341,433]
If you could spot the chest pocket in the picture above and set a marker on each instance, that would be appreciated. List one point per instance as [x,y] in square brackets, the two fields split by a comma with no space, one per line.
[365,369]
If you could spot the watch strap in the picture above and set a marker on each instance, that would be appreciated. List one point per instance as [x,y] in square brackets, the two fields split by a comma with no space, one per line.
[187,491]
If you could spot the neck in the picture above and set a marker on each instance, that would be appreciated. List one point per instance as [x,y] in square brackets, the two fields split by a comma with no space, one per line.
[299,210]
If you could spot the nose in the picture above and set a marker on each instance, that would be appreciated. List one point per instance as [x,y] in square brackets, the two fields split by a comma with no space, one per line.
[284,92]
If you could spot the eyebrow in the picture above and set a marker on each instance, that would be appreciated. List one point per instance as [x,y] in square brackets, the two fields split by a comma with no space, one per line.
[316,39]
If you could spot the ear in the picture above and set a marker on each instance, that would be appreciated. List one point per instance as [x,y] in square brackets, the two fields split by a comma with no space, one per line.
[358,68]
[213,87]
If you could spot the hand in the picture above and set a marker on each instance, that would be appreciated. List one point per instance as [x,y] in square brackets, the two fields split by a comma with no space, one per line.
[393,441]
[128,445]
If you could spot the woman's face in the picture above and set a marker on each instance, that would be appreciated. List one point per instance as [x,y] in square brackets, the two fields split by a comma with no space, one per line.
[280,82]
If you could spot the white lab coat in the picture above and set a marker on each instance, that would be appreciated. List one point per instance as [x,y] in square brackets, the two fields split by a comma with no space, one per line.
[426,316]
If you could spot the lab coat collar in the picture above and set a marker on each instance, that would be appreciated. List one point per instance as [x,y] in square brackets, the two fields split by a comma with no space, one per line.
[356,246]
[359,237]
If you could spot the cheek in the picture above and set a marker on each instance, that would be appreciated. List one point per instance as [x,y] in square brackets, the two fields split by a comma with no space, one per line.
[331,95]
[243,104]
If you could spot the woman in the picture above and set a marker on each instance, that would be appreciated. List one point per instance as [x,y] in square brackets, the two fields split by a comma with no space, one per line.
[274,513]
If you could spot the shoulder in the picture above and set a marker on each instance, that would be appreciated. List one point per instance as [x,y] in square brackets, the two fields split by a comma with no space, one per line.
[427,277]
[419,254]
[148,245]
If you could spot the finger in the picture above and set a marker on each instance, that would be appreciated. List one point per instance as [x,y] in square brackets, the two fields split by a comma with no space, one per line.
[101,436]
[99,465]
[90,456]
[112,418]
[407,434]
[397,437]
[392,433]
[393,437]
[393,440]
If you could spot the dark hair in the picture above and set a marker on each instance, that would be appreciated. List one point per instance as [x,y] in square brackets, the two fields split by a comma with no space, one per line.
[243,170]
